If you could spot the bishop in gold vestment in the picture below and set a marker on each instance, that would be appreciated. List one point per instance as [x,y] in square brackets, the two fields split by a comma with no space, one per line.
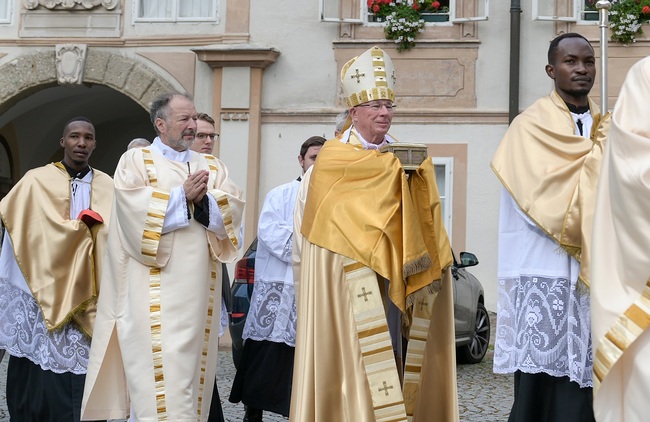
[370,246]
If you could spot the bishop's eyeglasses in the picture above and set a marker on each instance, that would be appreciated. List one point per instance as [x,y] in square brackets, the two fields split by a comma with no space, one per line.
[201,136]
[377,106]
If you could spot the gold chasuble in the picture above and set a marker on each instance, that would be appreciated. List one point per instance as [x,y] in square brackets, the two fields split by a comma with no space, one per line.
[64,279]
[558,198]
[360,221]
[156,334]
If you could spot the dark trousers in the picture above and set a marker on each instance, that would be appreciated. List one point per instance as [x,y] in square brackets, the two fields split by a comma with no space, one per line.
[36,395]
[544,398]
[216,412]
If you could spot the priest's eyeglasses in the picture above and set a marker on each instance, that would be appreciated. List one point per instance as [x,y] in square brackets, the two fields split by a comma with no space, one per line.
[201,136]
[377,106]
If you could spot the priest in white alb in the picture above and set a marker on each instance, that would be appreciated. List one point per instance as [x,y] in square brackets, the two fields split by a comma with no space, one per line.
[177,217]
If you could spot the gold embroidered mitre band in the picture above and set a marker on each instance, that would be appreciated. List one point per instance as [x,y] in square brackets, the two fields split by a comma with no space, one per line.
[370,76]
[552,173]
[59,258]
[361,205]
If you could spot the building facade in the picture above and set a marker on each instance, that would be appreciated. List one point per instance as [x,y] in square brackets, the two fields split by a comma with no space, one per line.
[269,74]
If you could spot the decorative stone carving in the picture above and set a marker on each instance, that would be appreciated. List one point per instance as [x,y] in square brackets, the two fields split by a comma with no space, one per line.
[70,4]
[70,62]
[234,116]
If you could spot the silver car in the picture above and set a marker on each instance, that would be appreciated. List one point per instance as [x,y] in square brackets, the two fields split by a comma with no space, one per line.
[472,321]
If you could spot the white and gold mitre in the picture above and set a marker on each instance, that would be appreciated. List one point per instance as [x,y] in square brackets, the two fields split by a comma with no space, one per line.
[370,76]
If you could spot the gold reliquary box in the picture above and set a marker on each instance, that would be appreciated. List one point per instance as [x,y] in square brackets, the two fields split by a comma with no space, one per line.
[410,155]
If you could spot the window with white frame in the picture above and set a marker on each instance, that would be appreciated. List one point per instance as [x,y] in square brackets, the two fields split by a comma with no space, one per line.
[444,167]
[370,11]
[175,10]
[588,10]
[565,10]
[5,11]
[430,10]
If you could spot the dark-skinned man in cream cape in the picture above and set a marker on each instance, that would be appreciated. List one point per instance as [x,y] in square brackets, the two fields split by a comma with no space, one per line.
[548,163]
[372,266]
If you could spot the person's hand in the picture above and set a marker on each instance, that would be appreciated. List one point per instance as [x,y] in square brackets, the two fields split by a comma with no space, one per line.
[196,186]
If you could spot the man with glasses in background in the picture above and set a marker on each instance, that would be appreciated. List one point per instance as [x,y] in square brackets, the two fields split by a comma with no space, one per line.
[206,135]
[371,259]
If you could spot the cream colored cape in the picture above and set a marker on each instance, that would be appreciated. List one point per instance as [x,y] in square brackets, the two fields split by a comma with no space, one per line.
[157,324]
[59,258]
[332,365]
[620,294]
[552,173]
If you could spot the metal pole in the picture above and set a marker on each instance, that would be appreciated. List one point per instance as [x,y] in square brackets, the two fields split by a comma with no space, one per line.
[515,42]
[603,7]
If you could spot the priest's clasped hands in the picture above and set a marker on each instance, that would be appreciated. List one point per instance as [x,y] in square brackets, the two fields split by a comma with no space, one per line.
[196,186]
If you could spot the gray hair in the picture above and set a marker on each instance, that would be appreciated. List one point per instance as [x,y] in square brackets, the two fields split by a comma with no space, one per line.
[340,121]
[160,106]
[138,143]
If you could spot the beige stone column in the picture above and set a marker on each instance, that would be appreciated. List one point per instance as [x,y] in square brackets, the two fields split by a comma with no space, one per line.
[238,76]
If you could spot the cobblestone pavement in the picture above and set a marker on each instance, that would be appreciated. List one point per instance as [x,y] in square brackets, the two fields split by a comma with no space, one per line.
[482,395]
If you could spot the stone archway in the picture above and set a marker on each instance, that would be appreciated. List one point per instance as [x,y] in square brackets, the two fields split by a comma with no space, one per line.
[28,73]
[27,95]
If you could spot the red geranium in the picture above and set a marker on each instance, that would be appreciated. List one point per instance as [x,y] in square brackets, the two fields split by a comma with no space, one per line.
[435,5]
[646,10]
[380,8]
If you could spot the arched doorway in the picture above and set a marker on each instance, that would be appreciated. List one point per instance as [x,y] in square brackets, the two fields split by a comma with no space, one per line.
[115,94]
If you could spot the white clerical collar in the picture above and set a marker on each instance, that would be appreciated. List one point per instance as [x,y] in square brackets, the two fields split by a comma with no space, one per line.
[366,145]
[170,153]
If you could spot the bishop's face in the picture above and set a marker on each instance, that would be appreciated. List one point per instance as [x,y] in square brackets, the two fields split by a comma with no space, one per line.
[373,119]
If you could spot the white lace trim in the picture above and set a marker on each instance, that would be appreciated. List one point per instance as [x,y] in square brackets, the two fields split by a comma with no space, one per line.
[272,314]
[544,325]
[23,334]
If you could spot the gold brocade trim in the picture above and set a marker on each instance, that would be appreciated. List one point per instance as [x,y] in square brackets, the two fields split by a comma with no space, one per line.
[206,343]
[155,215]
[374,340]
[418,335]
[629,326]
[222,203]
[156,342]
[212,164]
[149,165]
[226,214]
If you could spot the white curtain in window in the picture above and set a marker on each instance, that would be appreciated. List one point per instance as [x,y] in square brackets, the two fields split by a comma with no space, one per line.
[195,8]
[4,10]
[441,179]
[155,8]
[444,177]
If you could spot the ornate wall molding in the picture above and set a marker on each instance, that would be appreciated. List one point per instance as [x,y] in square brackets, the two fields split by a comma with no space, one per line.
[234,116]
[70,62]
[70,4]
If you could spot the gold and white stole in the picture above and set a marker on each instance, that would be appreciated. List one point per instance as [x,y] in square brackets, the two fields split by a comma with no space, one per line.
[422,310]
[629,326]
[375,342]
[150,240]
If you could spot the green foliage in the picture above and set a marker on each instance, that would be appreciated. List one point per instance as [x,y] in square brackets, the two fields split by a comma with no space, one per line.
[403,18]
[403,25]
[626,18]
